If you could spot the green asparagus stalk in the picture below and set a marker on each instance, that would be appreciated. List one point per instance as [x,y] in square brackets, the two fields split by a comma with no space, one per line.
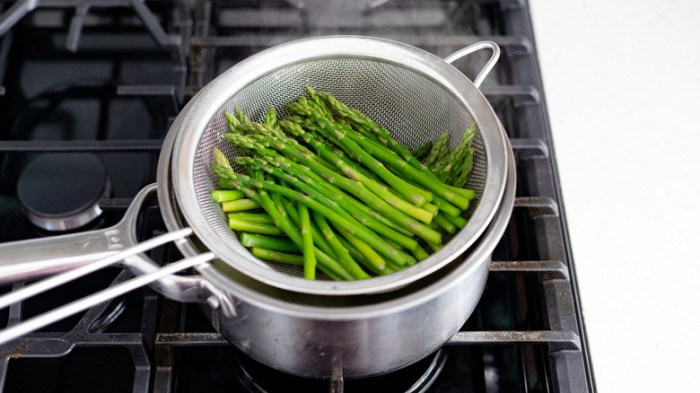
[319,240]
[338,202]
[390,158]
[358,190]
[307,244]
[422,150]
[268,242]
[271,117]
[349,173]
[326,263]
[239,205]
[440,150]
[362,260]
[351,225]
[420,254]
[255,227]
[416,195]
[261,218]
[372,256]
[463,158]
[445,224]
[277,256]
[219,196]
[340,251]
[458,221]
[305,174]
[376,132]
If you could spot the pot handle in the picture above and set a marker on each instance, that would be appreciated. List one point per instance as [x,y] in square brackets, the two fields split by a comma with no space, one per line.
[496,53]
[77,306]
[28,259]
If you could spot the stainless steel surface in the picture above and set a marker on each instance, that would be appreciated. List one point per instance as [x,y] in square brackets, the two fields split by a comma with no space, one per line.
[300,333]
[50,317]
[35,258]
[69,222]
[496,53]
[31,259]
[70,275]
[413,93]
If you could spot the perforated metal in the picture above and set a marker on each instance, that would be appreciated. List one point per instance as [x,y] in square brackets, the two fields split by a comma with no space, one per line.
[412,107]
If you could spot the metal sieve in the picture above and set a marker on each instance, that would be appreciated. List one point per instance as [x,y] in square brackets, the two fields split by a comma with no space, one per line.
[412,93]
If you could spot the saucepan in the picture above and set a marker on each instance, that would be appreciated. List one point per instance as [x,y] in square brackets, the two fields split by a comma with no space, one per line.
[309,328]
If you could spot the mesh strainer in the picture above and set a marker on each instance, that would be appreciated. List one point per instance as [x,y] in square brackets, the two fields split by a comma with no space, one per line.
[412,93]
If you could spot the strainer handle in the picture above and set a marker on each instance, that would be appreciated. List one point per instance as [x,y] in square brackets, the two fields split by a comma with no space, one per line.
[496,53]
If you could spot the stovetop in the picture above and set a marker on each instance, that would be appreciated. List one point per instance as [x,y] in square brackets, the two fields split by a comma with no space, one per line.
[106,79]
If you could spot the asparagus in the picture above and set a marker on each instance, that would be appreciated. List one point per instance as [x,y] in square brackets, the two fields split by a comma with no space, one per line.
[293,212]
[277,256]
[349,173]
[463,158]
[375,259]
[268,242]
[307,244]
[362,144]
[305,174]
[422,151]
[442,221]
[440,150]
[362,260]
[351,225]
[219,196]
[347,209]
[458,221]
[326,264]
[238,205]
[261,218]
[416,195]
[271,117]
[247,226]
[340,251]
[373,201]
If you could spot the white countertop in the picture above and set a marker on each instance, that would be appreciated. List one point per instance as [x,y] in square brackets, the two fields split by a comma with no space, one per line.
[622,83]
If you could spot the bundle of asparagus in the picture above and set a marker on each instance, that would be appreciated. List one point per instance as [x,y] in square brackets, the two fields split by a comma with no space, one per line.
[330,189]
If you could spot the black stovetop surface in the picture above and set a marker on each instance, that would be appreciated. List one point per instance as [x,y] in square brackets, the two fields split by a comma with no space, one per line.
[109,78]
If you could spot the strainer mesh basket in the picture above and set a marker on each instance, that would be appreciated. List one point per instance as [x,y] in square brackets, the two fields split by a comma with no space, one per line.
[410,106]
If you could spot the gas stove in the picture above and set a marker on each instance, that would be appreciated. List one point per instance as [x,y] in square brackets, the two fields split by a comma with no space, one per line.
[96,84]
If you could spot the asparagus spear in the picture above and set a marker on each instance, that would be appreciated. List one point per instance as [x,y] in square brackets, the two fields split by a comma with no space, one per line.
[238,205]
[357,189]
[344,208]
[293,212]
[277,256]
[307,244]
[351,225]
[422,151]
[340,251]
[326,264]
[261,218]
[219,196]
[268,242]
[378,189]
[413,193]
[362,146]
[440,150]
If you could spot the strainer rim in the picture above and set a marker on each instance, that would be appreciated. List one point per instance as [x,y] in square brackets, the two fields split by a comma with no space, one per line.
[212,98]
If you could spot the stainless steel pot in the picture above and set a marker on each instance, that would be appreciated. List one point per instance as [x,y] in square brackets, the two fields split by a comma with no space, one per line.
[296,331]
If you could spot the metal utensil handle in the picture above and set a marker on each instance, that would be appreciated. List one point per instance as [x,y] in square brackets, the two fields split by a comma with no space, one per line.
[63,278]
[27,259]
[496,53]
[77,306]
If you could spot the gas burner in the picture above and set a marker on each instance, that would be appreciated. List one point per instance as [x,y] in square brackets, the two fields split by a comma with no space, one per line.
[60,192]
[417,377]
